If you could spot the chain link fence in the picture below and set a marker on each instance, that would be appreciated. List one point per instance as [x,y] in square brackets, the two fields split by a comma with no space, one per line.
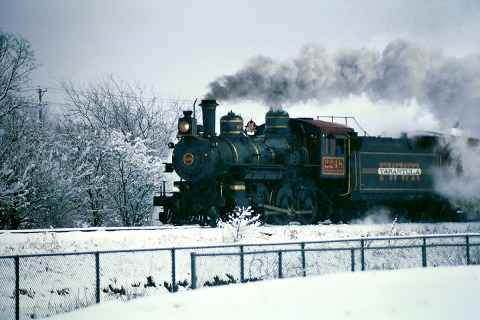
[253,263]
[36,286]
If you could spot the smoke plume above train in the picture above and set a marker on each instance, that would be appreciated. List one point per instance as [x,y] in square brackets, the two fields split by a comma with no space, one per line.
[448,86]
[404,71]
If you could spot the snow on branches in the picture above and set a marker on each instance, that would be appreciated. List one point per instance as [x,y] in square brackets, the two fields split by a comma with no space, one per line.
[240,222]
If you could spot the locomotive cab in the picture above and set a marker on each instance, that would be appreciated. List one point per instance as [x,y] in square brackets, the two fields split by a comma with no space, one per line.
[334,153]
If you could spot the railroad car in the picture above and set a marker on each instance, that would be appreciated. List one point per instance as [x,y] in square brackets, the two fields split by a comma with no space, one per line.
[298,169]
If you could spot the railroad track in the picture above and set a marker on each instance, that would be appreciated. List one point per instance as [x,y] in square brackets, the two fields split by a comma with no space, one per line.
[96,229]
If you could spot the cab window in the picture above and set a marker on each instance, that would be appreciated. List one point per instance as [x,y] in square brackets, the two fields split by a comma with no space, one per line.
[333,145]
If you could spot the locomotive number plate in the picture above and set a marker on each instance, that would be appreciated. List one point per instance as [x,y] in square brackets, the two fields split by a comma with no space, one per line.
[188,158]
[333,165]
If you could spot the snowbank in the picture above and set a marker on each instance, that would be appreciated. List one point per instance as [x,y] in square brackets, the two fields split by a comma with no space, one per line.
[434,293]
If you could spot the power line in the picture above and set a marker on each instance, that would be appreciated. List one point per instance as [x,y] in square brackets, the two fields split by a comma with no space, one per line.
[126,96]
[83,92]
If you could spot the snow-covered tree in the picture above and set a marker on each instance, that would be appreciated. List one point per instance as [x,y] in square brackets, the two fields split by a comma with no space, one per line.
[239,223]
[20,135]
[118,137]
[98,165]
[25,159]
[134,173]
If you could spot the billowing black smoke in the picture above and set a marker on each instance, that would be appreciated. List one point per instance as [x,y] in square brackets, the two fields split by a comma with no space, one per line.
[449,87]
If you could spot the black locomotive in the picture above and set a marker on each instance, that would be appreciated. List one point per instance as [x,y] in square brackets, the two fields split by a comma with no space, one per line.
[298,169]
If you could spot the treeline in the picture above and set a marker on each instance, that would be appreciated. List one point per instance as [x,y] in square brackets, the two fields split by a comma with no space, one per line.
[97,162]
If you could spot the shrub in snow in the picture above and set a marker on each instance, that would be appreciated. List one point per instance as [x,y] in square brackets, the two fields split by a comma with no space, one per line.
[392,231]
[181,285]
[238,224]
[150,282]
[219,282]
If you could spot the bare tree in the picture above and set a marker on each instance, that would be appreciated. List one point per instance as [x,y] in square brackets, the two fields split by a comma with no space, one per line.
[113,103]
[17,61]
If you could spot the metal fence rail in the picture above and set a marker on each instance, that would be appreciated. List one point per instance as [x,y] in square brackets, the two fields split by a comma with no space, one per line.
[40,285]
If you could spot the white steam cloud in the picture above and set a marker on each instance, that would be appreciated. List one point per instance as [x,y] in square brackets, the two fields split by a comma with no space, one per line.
[377,215]
[461,188]
[449,87]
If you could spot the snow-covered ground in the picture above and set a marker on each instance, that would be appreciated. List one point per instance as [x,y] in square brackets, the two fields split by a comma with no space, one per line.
[100,239]
[432,293]
[435,293]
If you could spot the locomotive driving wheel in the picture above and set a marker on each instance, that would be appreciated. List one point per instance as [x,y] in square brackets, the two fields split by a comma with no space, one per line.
[166,216]
[306,206]
[282,198]
[261,198]
[210,217]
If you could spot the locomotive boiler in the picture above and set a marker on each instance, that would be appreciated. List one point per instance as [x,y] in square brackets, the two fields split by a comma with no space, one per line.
[296,169]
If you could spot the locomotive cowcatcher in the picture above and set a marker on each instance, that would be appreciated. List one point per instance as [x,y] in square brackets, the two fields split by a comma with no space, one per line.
[297,169]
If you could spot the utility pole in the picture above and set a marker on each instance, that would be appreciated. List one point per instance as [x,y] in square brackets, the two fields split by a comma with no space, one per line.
[40,109]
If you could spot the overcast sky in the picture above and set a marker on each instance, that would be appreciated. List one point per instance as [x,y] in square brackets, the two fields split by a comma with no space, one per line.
[179,47]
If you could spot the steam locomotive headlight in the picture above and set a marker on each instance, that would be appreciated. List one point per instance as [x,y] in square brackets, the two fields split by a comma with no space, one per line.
[183,126]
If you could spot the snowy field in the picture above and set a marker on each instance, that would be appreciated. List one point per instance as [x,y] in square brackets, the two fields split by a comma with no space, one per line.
[423,294]
[345,295]
[99,239]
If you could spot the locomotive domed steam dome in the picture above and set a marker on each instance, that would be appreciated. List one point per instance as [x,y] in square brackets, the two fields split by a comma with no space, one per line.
[231,124]
[276,122]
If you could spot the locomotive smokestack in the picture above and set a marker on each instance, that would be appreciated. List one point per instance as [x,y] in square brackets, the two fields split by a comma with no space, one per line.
[208,112]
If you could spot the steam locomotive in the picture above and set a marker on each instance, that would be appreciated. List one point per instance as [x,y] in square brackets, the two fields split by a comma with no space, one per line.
[297,169]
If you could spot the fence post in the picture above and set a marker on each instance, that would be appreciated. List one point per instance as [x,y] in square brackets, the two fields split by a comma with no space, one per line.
[353,260]
[424,253]
[194,270]
[174,276]
[97,275]
[17,288]
[242,264]
[304,263]
[280,271]
[362,253]
[467,240]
